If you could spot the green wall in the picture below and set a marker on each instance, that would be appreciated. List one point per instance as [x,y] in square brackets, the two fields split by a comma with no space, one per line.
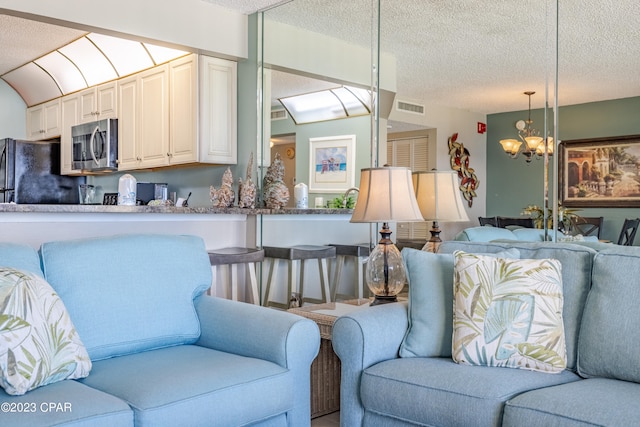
[513,184]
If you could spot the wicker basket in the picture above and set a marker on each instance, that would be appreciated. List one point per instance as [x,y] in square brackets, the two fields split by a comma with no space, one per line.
[325,369]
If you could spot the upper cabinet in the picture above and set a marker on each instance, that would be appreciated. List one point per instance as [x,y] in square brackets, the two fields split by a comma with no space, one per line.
[143,119]
[98,102]
[218,111]
[44,120]
[182,112]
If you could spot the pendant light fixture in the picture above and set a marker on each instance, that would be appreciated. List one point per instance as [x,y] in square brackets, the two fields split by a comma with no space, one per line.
[534,144]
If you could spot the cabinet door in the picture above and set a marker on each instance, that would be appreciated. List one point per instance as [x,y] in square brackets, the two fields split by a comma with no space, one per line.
[35,120]
[153,117]
[88,110]
[107,101]
[218,113]
[127,124]
[183,137]
[70,117]
[52,117]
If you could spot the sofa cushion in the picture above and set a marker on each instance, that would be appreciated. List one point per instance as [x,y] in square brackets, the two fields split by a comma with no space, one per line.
[610,337]
[192,385]
[130,293]
[485,234]
[590,402]
[576,261]
[445,393]
[508,313]
[38,342]
[65,403]
[21,257]
[430,278]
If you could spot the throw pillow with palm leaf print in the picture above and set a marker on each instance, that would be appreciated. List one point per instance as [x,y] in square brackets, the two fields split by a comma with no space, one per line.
[38,343]
[508,313]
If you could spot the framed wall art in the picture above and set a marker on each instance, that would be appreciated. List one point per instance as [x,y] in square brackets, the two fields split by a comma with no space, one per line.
[332,164]
[600,172]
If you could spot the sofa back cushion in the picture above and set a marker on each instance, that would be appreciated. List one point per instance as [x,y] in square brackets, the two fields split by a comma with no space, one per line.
[430,278]
[485,234]
[20,257]
[129,293]
[610,334]
[576,260]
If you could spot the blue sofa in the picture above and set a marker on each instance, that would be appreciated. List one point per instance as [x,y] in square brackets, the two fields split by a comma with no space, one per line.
[384,385]
[162,352]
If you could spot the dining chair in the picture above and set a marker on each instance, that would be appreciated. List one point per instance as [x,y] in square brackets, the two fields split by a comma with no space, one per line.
[488,220]
[586,226]
[628,232]
[504,222]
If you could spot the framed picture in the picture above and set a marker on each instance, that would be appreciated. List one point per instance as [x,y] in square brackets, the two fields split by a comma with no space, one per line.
[601,172]
[332,164]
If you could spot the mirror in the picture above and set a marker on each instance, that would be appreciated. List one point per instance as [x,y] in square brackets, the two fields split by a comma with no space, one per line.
[305,57]
[443,66]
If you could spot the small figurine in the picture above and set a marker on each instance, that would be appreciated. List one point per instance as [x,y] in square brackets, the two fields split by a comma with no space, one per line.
[247,189]
[224,196]
[276,193]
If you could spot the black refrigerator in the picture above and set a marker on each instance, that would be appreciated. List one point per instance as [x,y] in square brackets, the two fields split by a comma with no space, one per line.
[30,174]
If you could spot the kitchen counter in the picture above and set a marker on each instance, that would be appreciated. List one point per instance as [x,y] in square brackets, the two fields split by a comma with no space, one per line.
[12,207]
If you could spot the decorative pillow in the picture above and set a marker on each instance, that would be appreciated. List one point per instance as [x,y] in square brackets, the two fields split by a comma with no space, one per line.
[508,313]
[38,342]
[430,279]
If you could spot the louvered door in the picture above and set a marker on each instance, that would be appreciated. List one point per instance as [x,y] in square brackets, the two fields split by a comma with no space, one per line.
[412,153]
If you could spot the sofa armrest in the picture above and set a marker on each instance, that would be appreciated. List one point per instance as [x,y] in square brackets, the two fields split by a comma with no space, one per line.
[360,340]
[254,331]
[248,330]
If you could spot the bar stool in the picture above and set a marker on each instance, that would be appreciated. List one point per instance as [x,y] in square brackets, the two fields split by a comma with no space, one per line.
[359,253]
[298,255]
[231,257]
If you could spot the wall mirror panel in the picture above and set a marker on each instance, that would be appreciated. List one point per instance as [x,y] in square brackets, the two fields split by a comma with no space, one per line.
[443,67]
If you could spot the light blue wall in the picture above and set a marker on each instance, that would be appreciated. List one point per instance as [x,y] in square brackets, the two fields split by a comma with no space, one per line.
[12,113]
[512,184]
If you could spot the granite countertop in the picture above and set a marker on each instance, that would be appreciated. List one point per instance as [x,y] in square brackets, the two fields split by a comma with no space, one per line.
[12,207]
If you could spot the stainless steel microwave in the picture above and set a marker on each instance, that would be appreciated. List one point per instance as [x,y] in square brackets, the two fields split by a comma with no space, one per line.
[95,146]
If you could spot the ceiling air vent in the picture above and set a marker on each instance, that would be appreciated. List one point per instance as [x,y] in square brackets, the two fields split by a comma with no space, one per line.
[278,114]
[409,107]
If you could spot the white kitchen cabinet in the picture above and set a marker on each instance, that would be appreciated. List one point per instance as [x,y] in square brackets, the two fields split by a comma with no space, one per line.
[70,116]
[218,111]
[183,110]
[43,120]
[98,102]
[143,119]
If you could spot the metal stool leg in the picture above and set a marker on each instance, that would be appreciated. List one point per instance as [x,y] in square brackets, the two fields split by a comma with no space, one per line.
[251,268]
[336,276]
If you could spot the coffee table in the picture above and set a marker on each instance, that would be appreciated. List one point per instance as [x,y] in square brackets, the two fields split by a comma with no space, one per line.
[325,369]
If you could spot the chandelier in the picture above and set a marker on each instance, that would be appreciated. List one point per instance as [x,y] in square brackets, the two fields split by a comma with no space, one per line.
[534,145]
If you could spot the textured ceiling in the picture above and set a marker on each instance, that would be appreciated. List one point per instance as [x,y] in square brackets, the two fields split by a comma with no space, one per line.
[474,55]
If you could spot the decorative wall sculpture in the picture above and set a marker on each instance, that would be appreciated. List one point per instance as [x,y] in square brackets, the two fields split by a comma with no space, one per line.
[460,163]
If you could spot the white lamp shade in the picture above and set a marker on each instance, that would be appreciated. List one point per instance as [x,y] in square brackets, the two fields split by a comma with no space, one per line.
[386,194]
[438,196]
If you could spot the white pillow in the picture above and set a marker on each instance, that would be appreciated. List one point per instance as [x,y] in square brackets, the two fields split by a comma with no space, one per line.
[508,313]
[38,343]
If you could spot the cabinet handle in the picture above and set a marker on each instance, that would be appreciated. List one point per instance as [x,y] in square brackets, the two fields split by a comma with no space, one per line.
[169,155]
[139,159]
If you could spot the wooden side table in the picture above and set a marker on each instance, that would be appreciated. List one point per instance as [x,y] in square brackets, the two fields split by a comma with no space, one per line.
[325,369]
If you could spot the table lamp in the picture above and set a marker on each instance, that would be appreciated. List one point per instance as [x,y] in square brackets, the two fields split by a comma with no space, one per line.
[439,199]
[386,194]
